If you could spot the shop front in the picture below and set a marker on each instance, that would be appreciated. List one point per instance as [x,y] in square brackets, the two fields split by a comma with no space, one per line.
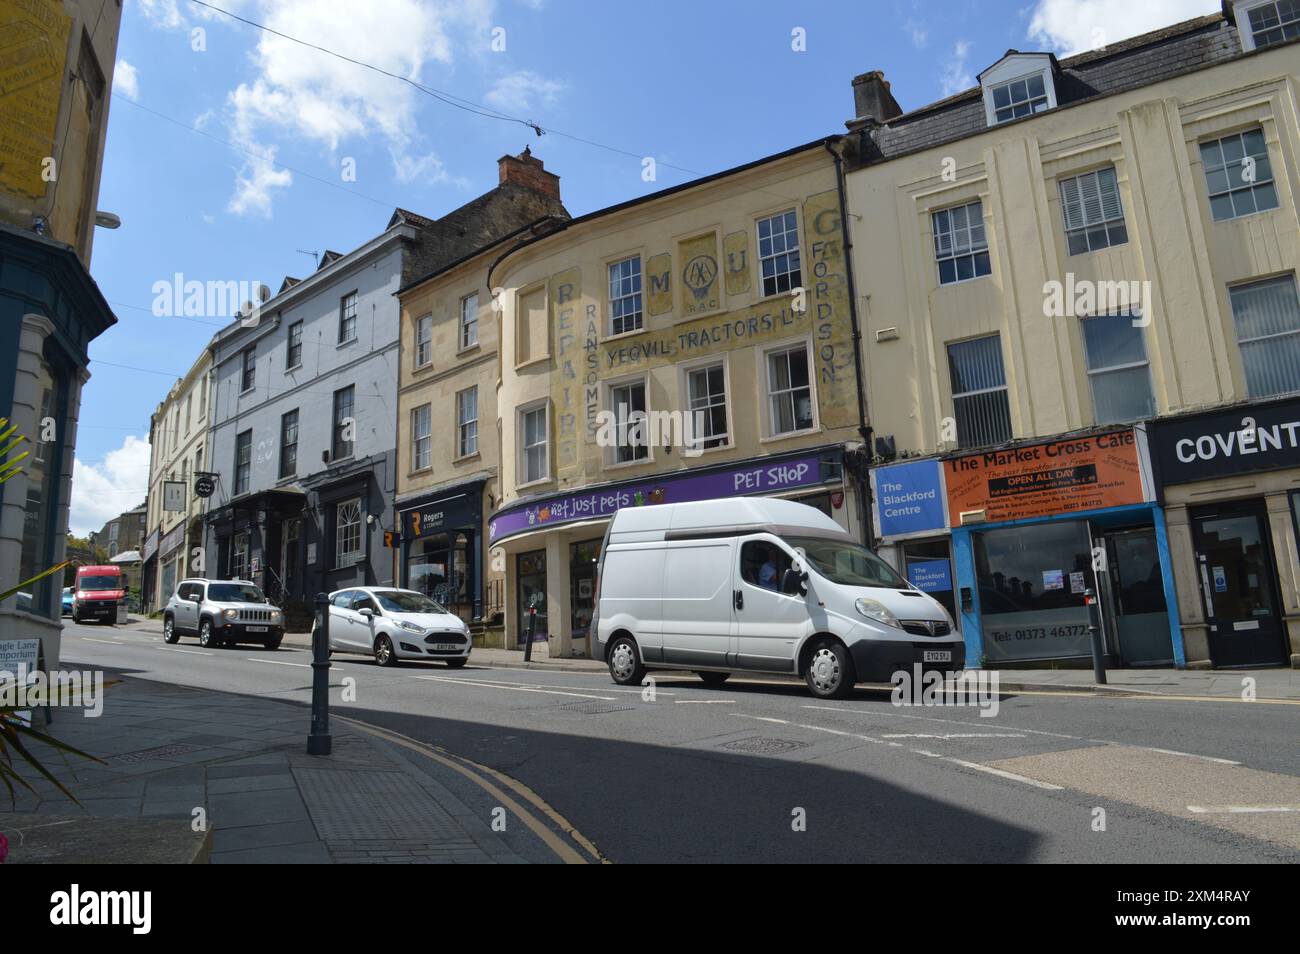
[1033,528]
[1230,483]
[442,547]
[550,546]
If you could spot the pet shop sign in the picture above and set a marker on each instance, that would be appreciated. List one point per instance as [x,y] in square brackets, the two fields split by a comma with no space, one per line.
[756,478]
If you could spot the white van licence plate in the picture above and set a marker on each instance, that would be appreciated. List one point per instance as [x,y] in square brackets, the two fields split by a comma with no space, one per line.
[937,655]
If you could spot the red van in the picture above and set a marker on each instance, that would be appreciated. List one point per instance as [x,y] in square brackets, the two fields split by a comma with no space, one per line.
[97,592]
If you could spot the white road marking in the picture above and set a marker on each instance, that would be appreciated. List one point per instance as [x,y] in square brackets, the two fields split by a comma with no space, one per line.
[278,662]
[1054,735]
[703,702]
[488,685]
[1007,775]
[547,685]
[1241,809]
[111,642]
[957,734]
[1010,776]
[190,652]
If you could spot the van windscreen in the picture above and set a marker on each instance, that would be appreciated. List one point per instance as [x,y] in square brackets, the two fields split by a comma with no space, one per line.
[100,583]
[851,564]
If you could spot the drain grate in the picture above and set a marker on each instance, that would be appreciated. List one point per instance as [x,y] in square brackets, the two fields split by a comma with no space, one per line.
[158,752]
[593,708]
[760,745]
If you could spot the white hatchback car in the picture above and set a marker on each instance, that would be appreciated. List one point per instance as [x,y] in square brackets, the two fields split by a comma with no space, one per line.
[393,625]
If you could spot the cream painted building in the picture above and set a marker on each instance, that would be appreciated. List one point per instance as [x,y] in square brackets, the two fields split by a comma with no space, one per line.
[179,451]
[692,344]
[1054,268]
[450,366]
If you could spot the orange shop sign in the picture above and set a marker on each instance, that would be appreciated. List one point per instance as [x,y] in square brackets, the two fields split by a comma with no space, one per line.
[1043,480]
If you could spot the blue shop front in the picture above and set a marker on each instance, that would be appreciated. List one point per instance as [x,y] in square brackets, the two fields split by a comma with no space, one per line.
[1011,539]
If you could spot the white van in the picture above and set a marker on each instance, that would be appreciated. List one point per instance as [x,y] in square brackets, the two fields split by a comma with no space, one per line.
[757,584]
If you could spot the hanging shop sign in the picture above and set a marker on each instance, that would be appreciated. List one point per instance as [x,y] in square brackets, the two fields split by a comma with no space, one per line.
[1090,472]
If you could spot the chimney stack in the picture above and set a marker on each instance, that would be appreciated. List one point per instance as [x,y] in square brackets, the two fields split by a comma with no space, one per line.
[873,101]
[527,172]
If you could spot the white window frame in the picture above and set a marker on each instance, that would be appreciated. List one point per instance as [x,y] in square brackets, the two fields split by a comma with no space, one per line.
[421,437]
[1095,374]
[630,288]
[971,250]
[248,463]
[1275,336]
[1004,387]
[769,397]
[423,341]
[468,333]
[466,440]
[1241,14]
[247,369]
[344,531]
[1014,68]
[705,365]
[289,346]
[1090,223]
[794,275]
[348,322]
[646,448]
[1236,169]
[524,447]
[240,554]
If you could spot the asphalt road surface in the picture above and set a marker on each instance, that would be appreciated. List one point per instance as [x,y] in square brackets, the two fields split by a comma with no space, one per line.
[758,770]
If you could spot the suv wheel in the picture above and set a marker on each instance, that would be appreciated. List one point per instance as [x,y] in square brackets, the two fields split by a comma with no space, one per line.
[169,631]
[273,642]
[385,655]
[207,639]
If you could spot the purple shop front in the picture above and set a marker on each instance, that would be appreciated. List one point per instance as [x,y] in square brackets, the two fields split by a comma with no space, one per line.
[751,478]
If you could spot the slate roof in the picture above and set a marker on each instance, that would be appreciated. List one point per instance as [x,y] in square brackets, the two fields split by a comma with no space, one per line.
[1131,64]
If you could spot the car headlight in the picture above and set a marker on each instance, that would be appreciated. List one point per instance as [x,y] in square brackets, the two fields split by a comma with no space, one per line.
[230,613]
[873,609]
[275,616]
[412,628]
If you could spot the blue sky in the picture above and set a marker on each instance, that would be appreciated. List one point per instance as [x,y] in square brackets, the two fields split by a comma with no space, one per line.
[699,85]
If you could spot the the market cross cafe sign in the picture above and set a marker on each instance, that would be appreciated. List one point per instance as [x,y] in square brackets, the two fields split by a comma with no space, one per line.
[1089,472]
[1239,441]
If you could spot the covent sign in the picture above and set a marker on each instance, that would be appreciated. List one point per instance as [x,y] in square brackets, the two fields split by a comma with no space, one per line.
[1240,440]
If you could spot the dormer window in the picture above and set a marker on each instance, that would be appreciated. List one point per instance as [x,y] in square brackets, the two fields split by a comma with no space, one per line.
[1267,23]
[1019,84]
[1019,98]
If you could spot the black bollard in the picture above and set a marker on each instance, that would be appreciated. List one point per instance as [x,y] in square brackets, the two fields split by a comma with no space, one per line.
[532,630]
[318,742]
[1094,631]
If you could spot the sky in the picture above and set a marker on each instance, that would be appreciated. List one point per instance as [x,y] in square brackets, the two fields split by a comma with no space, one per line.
[234,153]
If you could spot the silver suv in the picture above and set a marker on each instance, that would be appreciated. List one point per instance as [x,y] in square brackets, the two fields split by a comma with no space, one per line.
[222,613]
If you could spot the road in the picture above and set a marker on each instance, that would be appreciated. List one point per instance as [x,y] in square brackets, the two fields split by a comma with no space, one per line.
[760,771]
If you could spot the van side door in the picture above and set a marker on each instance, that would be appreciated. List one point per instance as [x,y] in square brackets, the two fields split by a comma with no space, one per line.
[698,601]
[769,624]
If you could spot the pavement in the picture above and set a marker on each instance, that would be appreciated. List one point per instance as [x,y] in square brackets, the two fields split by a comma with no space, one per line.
[1276,683]
[195,775]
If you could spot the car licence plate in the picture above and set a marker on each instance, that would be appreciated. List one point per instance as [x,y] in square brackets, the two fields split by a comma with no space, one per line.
[937,655]
[446,645]
[255,629]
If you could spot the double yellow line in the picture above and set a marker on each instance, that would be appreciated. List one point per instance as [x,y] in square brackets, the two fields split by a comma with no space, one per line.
[493,782]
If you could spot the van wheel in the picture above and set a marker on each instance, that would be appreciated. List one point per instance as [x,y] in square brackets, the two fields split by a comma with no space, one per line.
[625,662]
[713,678]
[169,631]
[830,672]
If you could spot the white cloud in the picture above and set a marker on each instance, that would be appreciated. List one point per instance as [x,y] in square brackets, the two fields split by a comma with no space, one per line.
[522,92]
[311,95]
[955,76]
[917,31]
[1072,26]
[117,483]
[202,119]
[126,79]
[255,183]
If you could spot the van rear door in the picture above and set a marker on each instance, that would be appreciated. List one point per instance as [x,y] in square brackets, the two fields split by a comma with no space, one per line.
[631,594]
[698,602]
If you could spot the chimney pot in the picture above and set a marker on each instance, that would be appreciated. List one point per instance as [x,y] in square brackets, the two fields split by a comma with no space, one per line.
[872,99]
[528,172]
